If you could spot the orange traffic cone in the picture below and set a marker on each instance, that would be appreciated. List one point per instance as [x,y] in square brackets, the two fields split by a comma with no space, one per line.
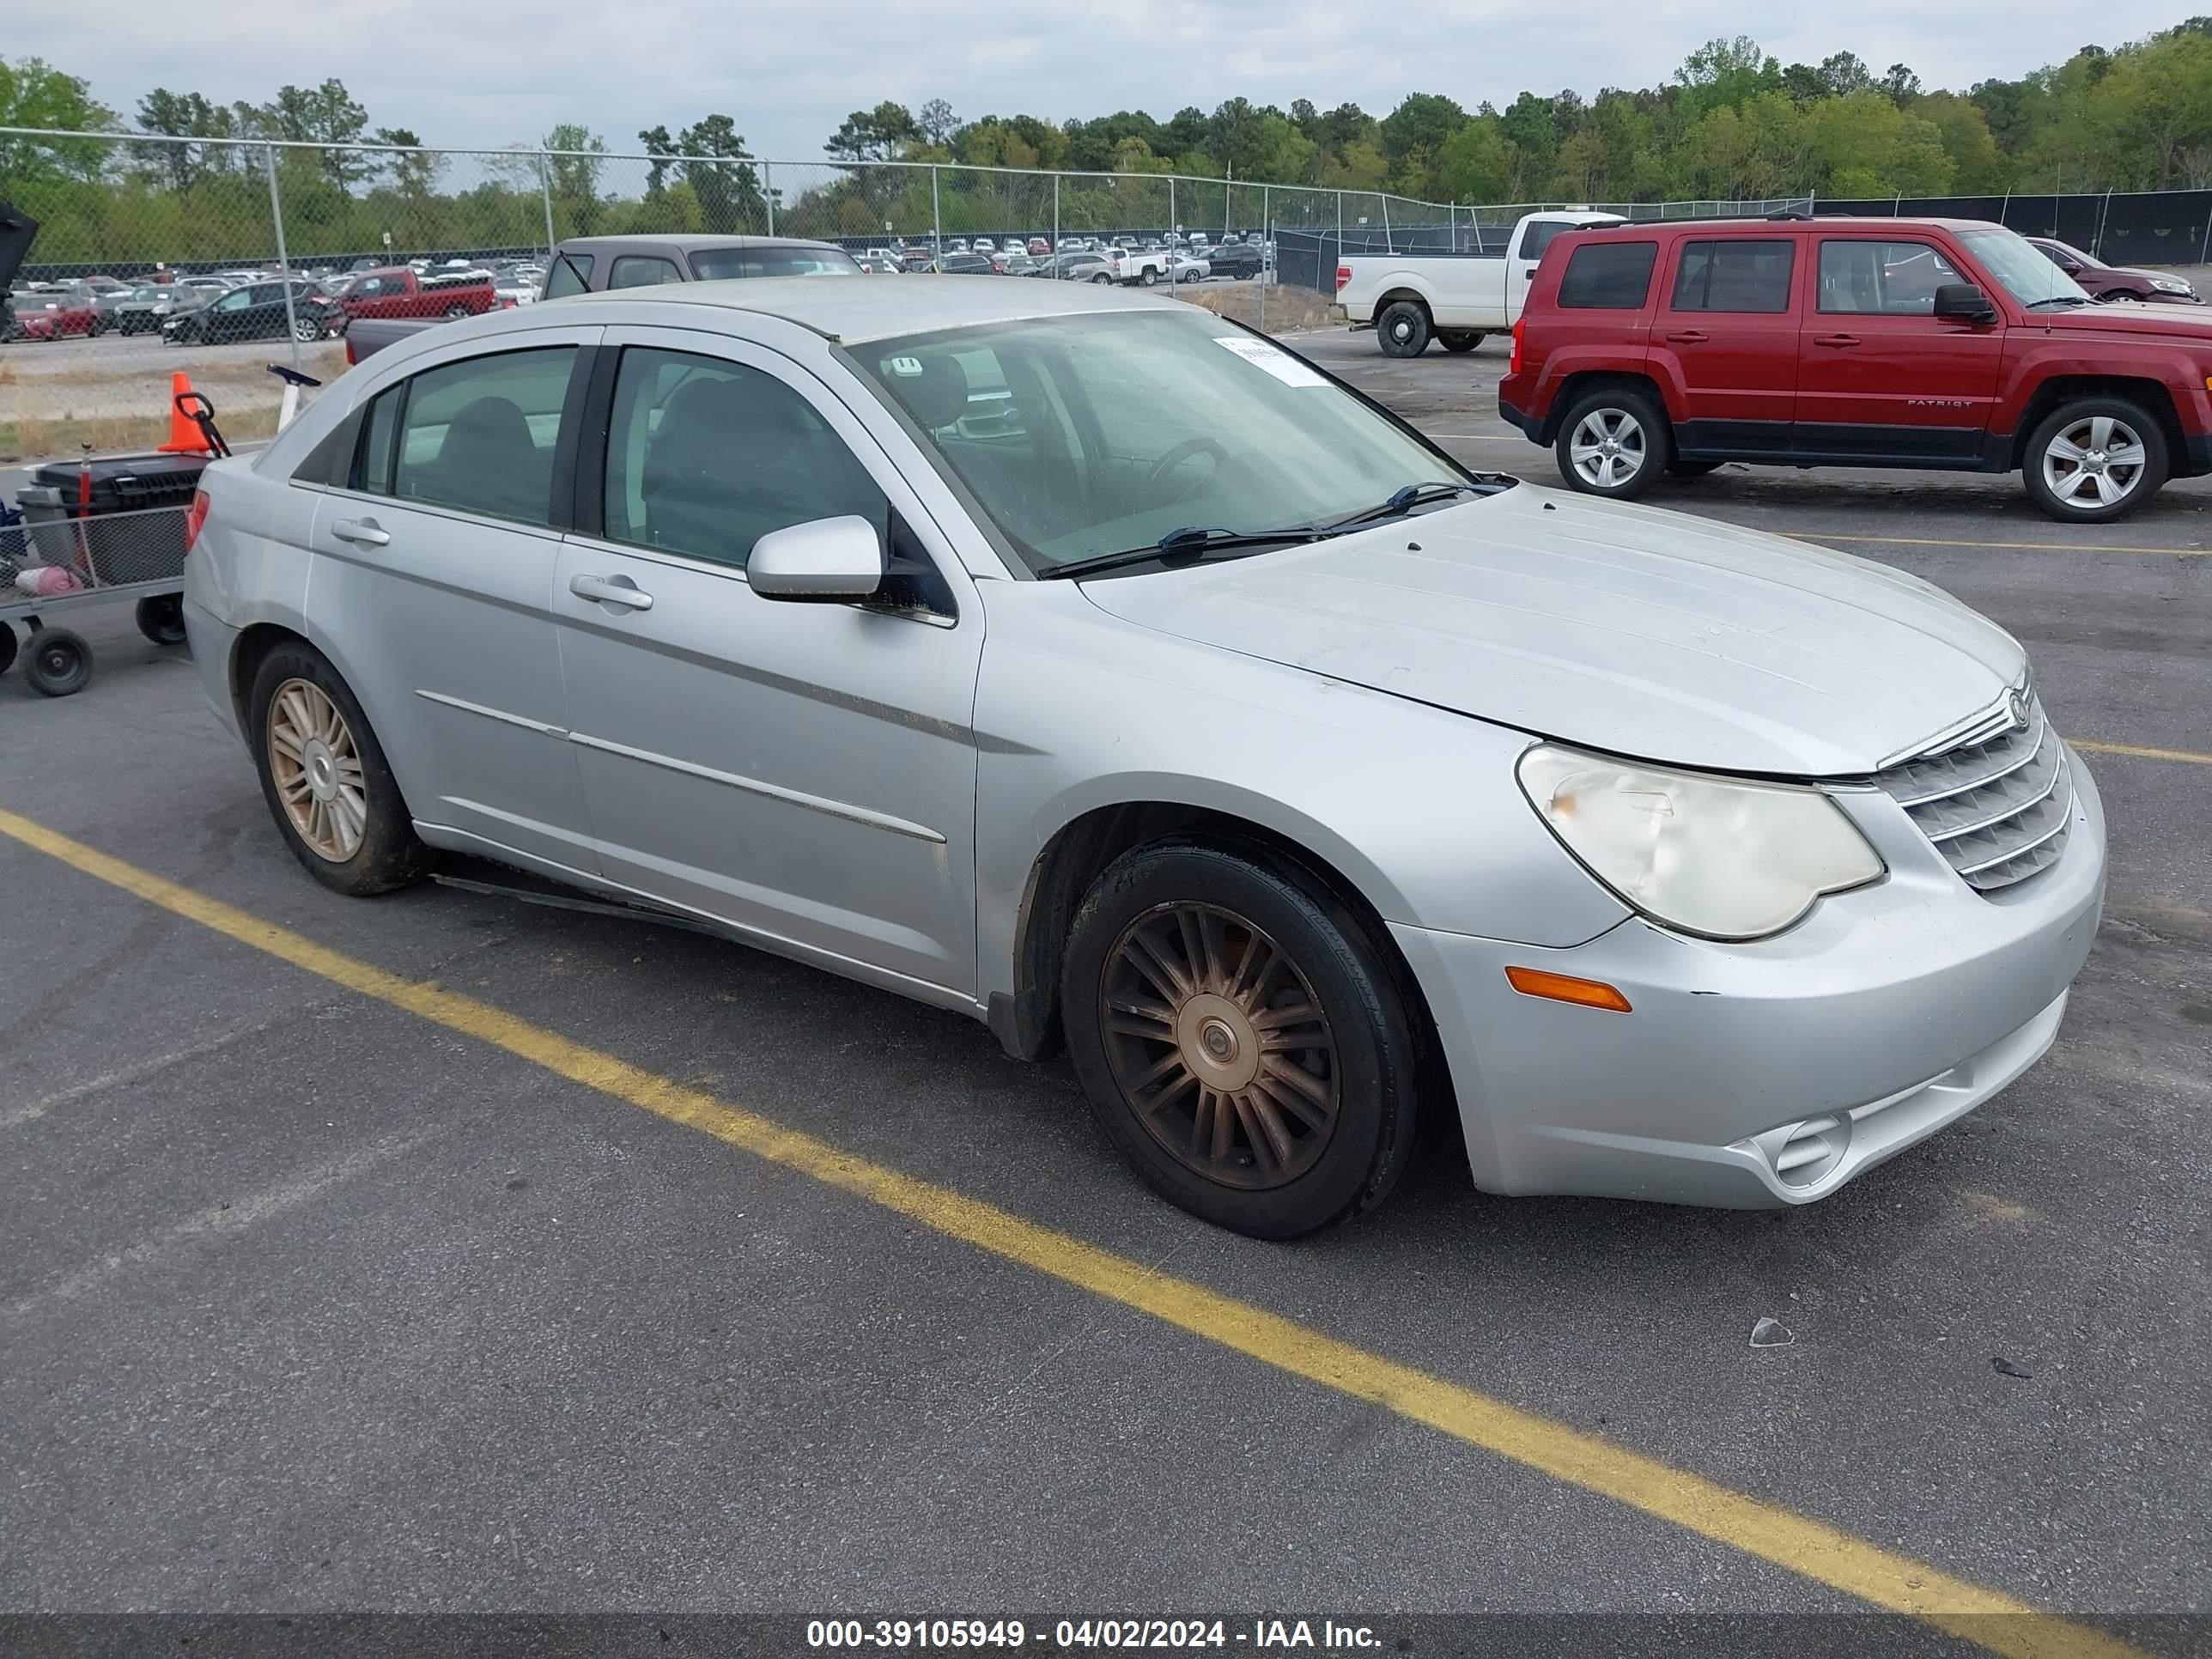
[186,437]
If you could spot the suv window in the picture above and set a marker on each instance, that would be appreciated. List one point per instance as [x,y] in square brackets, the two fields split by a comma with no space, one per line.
[1894,279]
[642,270]
[1609,276]
[571,274]
[477,435]
[705,457]
[1734,276]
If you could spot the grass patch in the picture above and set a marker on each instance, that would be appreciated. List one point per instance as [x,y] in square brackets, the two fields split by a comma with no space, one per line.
[31,438]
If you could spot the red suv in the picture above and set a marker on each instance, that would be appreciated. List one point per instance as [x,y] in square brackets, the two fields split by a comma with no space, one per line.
[1942,343]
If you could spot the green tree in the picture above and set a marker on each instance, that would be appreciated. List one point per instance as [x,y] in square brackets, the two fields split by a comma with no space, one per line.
[722,176]
[659,146]
[874,134]
[34,93]
[1477,163]
[181,115]
[571,174]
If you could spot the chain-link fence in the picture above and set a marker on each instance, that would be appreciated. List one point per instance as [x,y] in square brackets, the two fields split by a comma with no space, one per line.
[249,251]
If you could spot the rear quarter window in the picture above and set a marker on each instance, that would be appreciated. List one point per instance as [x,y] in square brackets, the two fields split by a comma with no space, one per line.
[1609,276]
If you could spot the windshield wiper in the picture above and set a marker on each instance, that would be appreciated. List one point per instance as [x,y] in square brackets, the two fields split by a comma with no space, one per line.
[1184,546]
[2060,300]
[1404,501]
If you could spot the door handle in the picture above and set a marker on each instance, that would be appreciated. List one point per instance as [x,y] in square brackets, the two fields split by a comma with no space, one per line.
[361,531]
[1689,336]
[1835,339]
[611,590]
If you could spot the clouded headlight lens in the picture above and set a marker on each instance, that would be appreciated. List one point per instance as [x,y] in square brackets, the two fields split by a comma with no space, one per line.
[1718,856]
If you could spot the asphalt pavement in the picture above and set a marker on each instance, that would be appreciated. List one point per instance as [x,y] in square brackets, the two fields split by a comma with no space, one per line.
[311,1298]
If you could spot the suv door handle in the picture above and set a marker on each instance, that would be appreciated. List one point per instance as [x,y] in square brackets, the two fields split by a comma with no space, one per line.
[1835,339]
[361,531]
[1689,336]
[611,590]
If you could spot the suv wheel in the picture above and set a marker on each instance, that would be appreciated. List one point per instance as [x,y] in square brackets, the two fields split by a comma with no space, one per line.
[325,778]
[307,329]
[1239,1038]
[1403,329]
[1614,442]
[2094,461]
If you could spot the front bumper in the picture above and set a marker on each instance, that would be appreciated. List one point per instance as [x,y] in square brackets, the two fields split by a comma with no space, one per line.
[1756,1075]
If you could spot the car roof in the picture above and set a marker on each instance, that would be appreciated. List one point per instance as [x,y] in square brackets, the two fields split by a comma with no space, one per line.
[1787,224]
[686,243]
[852,312]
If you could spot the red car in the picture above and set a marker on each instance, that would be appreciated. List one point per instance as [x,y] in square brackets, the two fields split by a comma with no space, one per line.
[1940,343]
[54,312]
[2103,281]
[400,291]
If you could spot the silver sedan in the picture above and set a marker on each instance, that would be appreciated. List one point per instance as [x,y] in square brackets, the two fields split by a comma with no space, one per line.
[1088,665]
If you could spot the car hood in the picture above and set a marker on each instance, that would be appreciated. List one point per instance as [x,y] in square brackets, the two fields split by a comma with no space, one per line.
[1644,633]
[2129,317]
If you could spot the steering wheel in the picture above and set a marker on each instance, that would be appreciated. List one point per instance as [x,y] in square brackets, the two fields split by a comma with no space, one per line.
[1181,452]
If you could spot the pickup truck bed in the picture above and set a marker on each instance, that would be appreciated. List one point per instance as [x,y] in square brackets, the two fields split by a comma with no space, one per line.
[1410,299]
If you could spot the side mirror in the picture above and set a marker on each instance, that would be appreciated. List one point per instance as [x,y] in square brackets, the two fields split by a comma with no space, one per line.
[823,559]
[2071,267]
[1964,301]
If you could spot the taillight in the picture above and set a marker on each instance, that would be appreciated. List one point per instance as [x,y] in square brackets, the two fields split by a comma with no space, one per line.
[195,518]
[350,358]
[1513,363]
[1343,277]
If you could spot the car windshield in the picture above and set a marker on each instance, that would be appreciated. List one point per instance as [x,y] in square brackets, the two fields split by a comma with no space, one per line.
[2026,274]
[1092,435]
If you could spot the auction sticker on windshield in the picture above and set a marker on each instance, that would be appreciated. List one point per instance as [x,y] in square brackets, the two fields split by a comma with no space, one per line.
[1280,364]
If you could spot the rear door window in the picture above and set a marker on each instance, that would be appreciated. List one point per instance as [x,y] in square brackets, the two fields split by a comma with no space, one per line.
[642,270]
[478,435]
[1609,276]
[571,274]
[1742,275]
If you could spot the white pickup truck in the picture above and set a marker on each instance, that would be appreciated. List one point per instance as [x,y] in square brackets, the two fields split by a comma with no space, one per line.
[1455,299]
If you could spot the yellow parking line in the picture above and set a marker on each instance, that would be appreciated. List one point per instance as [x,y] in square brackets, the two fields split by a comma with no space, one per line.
[1823,1553]
[2017,547]
[2188,756]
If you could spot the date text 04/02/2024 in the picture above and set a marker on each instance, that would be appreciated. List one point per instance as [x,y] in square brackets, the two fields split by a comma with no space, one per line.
[1262,1634]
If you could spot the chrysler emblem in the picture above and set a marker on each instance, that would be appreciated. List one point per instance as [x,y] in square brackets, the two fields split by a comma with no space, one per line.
[2018,704]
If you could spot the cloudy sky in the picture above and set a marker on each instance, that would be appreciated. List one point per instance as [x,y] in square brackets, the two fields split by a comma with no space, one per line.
[492,72]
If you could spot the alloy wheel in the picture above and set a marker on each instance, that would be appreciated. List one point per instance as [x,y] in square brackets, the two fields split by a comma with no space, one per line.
[1607,449]
[1219,1046]
[2093,462]
[318,770]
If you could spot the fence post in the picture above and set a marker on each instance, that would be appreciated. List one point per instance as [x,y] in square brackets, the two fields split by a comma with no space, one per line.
[1331,288]
[767,192]
[1263,258]
[1171,212]
[2204,253]
[545,190]
[1054,254]
[936,215]
[2097,242]
[1387,247]
[2004,209]
[283,260]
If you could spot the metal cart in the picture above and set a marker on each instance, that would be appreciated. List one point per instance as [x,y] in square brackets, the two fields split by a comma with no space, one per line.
[107,559]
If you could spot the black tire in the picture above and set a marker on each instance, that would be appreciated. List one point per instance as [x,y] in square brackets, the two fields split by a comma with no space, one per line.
[1152,277]
[1367,1021]
[59,664]
[1679,468]
[389,855]
[454,313]
[162,618]
[2145,481]
[1403,329]
[1638,424]
[7,647]
[1459,339]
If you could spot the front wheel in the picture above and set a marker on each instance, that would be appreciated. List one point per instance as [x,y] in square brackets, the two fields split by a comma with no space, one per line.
[1459,340]
[2094,461]
[59,664]
[1614,442]
[1241,1038]
[1402,329]
[325,778]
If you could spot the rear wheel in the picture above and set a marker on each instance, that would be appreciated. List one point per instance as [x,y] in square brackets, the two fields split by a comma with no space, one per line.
[325,777]
[2094,461]
[1459,340]
[455,311]
[1403,329]
[59,664]
[1151,278]
[7,646]
[307,330]
[1615,442]
[1241,1038]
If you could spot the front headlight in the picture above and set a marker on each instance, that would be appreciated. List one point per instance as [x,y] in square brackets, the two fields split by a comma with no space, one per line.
[2170,285]
[1722,857]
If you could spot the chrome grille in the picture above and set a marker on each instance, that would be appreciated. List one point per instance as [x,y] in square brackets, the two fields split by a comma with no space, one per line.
[1997,810]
